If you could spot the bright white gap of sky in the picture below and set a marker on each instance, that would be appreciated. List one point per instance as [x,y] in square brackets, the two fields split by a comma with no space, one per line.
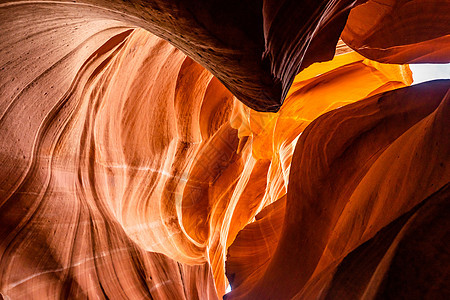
[427,72]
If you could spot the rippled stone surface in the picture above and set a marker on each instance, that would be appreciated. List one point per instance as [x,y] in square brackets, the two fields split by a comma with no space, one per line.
[133,169]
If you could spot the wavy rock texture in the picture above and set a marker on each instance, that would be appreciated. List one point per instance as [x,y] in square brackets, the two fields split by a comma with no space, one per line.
[252,47]
[131,168]
[399,31]
[347,182]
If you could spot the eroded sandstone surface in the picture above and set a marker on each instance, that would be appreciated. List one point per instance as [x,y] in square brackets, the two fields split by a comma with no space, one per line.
[167,149]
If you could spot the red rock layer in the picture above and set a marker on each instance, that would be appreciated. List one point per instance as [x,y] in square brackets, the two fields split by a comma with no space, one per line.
[399,32]
[347,182]
[146,151]
[71,224]
[252,47]
[128,170]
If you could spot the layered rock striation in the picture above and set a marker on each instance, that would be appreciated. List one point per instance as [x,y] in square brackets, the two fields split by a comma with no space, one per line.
[166,149]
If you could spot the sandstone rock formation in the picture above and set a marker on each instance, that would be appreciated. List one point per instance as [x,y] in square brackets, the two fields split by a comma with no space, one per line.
[397,31]
[145,151]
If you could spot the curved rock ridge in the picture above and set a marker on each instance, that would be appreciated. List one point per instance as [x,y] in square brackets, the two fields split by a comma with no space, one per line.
[147,151]
[252,47]
[67,227]
[395,159]
[400,32]
[162,165]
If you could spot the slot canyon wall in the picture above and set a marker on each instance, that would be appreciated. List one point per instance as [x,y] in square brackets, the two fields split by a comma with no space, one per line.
[167,149]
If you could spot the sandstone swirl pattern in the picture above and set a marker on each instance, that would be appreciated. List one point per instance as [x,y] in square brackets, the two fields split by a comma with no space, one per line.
[163,165]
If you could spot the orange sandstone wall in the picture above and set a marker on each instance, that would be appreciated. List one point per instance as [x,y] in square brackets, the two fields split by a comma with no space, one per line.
[221,148]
